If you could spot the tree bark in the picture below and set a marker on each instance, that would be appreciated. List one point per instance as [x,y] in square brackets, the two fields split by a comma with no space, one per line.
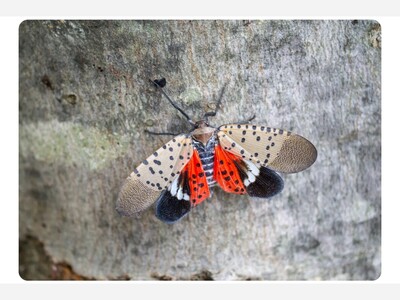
[86,101]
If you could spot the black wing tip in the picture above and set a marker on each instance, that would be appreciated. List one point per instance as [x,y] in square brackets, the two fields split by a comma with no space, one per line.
[268,184]
[168,221]
[170,210]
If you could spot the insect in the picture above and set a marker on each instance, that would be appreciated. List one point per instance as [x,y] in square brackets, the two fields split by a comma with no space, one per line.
[240,158]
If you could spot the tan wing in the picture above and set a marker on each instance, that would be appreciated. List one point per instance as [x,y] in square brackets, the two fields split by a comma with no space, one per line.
[145,184]
[274,148]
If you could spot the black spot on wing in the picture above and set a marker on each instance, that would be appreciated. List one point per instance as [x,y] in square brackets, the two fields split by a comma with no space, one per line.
[268,183]
[169,209]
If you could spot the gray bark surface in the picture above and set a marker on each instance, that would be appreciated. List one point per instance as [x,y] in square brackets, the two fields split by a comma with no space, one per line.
[85,103]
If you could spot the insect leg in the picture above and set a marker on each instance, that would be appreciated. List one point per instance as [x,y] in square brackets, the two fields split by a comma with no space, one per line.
[247,121]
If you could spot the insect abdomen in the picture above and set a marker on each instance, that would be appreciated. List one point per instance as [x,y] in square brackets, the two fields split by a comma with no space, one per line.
[207,160]
[206,154]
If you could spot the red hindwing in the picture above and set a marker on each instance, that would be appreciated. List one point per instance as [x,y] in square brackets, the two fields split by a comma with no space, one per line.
[199,190]
[226,172]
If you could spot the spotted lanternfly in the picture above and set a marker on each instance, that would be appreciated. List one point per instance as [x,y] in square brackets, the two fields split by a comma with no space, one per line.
[240,158]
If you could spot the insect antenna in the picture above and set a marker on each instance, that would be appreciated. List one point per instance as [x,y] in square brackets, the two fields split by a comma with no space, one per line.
[213,113]
[160,84]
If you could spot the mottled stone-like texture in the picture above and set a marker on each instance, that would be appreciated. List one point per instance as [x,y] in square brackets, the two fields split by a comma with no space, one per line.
[85,102]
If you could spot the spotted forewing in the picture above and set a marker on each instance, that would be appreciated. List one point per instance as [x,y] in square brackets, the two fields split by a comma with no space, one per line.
[277,149]
[155,174]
